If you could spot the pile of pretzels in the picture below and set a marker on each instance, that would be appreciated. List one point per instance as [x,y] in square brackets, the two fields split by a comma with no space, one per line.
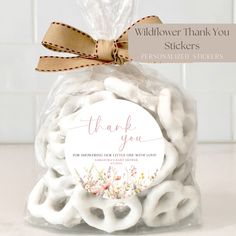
[173,197]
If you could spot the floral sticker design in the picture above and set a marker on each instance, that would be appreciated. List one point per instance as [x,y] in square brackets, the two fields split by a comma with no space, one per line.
[110,184]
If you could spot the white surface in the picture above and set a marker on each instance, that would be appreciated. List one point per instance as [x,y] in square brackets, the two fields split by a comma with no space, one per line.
[234,117]
[189,11]
[216,76]
[19,120]
[40,100]
[17,69]
[57,10]
[23,24]
[16,21]
[17,79]
[216,175]
[214,115]
[174,72]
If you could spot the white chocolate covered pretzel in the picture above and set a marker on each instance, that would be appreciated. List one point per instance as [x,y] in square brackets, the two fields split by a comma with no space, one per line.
[59,183]
[50,124]
[179,126]
[74,86]
[85,88]
[77,102]
[58,164]
[50,199]
[131,92]
[51,138]
[169,105]
[181,172]
[107,214]
[189,129]
[59,200]
[169,165]
[171,113]
[169,203]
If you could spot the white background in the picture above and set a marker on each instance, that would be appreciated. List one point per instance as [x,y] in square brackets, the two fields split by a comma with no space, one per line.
[23,91]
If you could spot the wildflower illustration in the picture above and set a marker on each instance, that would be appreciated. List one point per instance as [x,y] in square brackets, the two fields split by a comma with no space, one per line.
[109,183]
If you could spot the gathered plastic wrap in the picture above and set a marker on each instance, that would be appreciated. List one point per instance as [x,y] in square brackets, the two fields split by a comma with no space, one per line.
[173,201]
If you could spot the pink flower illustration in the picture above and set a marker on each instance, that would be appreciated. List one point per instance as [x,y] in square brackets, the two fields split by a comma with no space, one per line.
[106,186]
[118,178]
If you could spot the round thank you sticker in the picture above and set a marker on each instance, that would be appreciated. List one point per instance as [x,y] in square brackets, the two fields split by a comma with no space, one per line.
[114,148]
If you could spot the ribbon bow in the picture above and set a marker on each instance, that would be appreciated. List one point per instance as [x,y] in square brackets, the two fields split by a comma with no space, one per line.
[64,38]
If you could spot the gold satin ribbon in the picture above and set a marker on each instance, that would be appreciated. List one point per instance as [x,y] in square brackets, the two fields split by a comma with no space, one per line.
[64,38]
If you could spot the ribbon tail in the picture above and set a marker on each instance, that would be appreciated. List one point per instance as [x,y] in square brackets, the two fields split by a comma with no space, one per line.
[54,64]
[64,38]
[123,54]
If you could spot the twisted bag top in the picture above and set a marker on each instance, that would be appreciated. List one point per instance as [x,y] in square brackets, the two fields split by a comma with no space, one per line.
[64,38]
